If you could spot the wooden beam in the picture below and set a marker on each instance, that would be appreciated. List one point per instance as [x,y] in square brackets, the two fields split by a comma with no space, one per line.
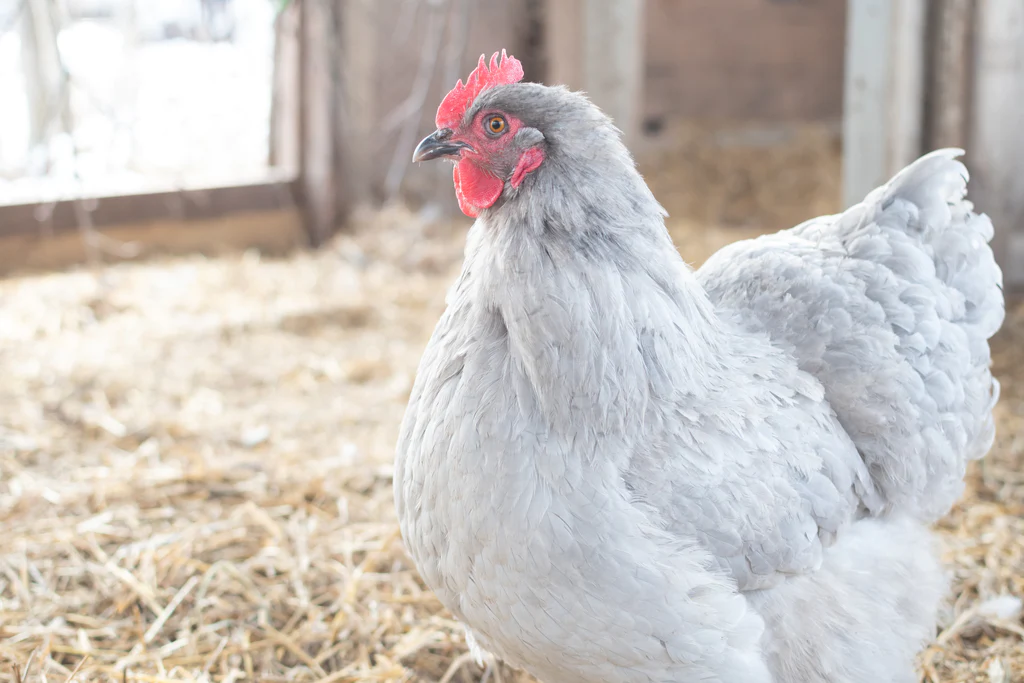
[271,232]
[996,145]
[598,46]
[181,206]
[883,91]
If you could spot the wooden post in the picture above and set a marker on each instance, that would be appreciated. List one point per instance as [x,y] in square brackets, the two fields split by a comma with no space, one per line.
[284,106]
[598,46]
[947,97]
[318,176]
[883,92]
[613,60]
[357,107]
[996,147]
[563,42]
[49,103]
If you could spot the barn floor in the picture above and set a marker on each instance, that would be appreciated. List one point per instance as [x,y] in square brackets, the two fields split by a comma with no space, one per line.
[196,459]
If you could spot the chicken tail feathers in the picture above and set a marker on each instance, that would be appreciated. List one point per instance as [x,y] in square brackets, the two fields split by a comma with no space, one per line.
[946,305]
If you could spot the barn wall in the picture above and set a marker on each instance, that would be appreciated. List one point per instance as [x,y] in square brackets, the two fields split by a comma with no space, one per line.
[767,60]
[764,60]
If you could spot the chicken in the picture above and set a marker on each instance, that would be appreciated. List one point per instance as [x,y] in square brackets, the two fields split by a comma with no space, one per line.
[615,468]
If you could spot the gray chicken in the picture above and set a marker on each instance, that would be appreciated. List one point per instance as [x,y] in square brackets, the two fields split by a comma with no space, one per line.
[615,468]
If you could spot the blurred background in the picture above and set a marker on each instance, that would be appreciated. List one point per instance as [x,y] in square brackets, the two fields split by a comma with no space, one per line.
[745,114]
[218,269]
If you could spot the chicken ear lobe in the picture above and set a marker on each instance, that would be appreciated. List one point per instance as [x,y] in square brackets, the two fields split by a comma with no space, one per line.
[529,162]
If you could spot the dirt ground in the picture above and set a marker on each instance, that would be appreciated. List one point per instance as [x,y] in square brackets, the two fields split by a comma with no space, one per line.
[196,453]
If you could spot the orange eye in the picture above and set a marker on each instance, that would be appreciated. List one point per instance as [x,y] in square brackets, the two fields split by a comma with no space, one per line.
[495,125]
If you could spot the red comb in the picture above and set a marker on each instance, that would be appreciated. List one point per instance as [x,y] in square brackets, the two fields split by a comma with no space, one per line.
[484,77]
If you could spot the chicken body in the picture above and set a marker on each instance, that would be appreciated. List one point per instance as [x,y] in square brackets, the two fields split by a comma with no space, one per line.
[614,468]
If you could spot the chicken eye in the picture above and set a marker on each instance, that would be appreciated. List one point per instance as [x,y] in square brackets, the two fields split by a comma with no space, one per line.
[495,125]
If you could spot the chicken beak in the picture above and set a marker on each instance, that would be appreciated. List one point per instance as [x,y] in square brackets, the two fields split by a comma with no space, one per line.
[438,144]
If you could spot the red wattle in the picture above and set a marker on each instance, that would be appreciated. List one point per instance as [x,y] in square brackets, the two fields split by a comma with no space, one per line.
[475,188]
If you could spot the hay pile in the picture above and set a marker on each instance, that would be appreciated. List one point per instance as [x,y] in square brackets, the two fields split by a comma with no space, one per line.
[196,460]
[195,464]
